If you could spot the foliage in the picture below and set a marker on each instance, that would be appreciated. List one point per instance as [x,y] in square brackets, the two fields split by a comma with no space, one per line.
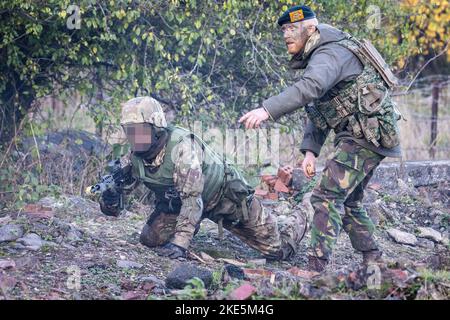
[211,60]
[194,290]
[430,27]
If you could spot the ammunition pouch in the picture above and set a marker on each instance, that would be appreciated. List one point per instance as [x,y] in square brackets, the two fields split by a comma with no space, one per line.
[237,191]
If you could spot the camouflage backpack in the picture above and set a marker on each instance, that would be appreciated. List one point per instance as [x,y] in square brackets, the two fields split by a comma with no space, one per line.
[364,107]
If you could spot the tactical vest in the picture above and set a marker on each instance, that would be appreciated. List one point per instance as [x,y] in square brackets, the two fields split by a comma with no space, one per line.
[364,107]
[161,181]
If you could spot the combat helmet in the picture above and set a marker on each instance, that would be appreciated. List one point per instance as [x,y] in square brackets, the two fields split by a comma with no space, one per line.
[143,110]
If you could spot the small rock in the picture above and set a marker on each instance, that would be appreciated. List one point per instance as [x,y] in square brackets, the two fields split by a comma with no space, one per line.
[153,280]
[5,220]
[257,273]
[233,262]
[305,274]
[257,262]
[125,264]
[260,192]
[74,235]
[328,280]
[402,237]
[10,232]
[234,271]
[309,291]
[406,188]
[206,257]
[430,234]
[243,292]
[28,262]
[280,187]
[131,295]
[31,241]
[425,243]
[395,276]
[374,212]
[7,264]
[178,278]
[7,283]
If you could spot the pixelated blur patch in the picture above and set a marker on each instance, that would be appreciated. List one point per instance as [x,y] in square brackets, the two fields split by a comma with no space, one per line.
[296,15]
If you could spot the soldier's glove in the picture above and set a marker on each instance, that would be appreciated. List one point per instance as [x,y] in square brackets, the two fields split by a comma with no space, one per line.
[110,197]
[109,203]
[172,251]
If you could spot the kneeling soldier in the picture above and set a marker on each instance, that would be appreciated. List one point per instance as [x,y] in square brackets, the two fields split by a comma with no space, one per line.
[191,182]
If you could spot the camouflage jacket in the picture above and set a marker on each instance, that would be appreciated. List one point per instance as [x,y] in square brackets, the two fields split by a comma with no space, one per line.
[187,179]
[327,68]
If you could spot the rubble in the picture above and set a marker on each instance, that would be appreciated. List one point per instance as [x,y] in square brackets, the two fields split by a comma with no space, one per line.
[178,278]
[402,237]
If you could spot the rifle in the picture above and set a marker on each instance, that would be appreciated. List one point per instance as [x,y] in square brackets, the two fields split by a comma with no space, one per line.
[113,181]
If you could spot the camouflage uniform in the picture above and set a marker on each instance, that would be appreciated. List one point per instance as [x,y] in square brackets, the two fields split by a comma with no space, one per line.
[346,174]
[341,91]
[191,183]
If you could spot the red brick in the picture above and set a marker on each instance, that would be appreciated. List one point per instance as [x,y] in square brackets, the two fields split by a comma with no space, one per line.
[302,273]
[272,196]
[280,186]
[244,292]
[261,193]
[285,174]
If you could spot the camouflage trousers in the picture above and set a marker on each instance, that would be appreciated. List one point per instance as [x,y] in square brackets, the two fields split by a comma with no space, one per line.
[275,232]
[346,174]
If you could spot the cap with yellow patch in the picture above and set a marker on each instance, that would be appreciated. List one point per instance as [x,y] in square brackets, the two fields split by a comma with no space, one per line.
[296,14]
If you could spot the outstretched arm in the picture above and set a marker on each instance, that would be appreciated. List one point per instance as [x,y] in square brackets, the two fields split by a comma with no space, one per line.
[189,181]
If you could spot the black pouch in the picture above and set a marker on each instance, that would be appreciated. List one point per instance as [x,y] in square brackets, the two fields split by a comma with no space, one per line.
[238,192]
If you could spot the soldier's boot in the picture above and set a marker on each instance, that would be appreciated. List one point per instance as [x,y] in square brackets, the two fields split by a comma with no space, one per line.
[292,230]
[316,264]
[158,230]
[374,257]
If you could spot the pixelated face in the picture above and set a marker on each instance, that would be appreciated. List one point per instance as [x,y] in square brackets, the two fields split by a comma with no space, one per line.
[139,136]
[295,37]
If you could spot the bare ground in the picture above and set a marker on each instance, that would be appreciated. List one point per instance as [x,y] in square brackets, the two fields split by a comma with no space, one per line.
[81,243]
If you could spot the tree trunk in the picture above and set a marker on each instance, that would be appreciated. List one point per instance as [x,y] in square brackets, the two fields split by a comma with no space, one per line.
[13,107]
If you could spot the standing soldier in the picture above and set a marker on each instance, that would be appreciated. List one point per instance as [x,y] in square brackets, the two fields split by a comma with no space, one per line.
[191,182]
[345,87]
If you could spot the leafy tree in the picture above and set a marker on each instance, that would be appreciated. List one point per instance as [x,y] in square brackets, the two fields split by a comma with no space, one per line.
[203,59]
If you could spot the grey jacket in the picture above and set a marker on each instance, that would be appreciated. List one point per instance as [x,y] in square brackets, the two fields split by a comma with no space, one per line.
[328,67]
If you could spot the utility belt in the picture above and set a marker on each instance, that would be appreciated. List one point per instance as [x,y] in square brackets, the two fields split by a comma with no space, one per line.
[236,190]
[365,111]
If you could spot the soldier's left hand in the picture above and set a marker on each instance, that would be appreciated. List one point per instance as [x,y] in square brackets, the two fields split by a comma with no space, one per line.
[254,118]
[172,251]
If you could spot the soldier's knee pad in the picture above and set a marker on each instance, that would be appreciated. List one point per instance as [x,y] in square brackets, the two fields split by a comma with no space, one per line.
[149,237]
